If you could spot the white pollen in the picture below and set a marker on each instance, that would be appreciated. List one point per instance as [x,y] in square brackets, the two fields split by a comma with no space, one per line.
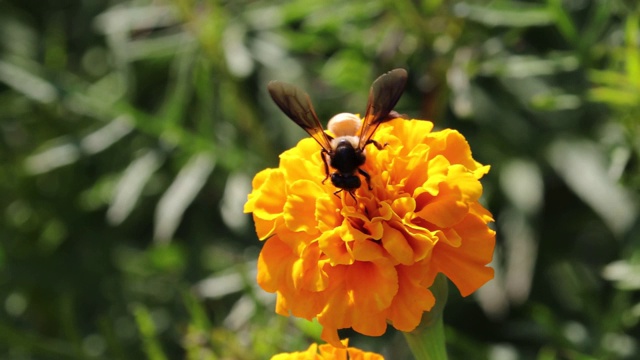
[354,140]
[344,124]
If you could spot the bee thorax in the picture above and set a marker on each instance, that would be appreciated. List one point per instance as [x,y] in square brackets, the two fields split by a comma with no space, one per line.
[344,124]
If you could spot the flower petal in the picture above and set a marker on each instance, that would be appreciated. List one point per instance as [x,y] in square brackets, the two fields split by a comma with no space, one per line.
[466,265]
[299,211]
[307,270]
[330,335]
[334,247]
[267,202]
[444,210]
[256,184]
[367,250]
[358,303]
[395,242]
[276,273]
[453,146]
[412,300]
[271,273]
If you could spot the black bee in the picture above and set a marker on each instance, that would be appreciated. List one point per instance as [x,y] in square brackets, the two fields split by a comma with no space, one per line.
[346,151]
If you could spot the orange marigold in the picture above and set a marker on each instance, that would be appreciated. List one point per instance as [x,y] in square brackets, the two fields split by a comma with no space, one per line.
[328,352]
[368,263]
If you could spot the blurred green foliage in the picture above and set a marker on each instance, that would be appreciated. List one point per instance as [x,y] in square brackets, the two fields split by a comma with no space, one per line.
[130,131]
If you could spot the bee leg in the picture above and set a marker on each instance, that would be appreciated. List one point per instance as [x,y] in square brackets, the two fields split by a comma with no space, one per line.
[376,144]
[323,155]
[349,191]
[366,177]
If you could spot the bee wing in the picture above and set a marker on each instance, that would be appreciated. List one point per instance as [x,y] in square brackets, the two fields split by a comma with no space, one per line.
[296,104]
[383,96]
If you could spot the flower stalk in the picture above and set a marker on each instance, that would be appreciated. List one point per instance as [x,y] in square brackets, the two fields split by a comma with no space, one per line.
[427,341]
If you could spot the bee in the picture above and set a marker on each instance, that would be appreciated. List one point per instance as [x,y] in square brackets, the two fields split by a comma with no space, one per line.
[345,151]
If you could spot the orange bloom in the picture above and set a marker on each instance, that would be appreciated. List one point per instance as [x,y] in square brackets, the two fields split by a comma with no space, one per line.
[370,263]
[328,352]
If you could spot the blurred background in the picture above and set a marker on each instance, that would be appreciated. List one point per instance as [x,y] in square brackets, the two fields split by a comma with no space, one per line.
[130,132]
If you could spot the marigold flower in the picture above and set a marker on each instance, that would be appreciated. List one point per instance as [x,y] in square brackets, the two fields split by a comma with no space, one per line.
[370,263]
[328,352]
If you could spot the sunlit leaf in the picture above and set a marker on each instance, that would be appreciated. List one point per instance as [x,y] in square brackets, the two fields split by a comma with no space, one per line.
[130,186]
[632,58]
[32,86]
[147,328]
[582,168]
[180,194]
[617,97]
[506,13]
[563,20]
[526,66]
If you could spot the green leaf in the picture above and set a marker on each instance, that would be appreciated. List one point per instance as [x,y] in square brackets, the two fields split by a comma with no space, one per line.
[511,14]
[615,97]
[563,20]
[152,346]
[632,58]
[520,66]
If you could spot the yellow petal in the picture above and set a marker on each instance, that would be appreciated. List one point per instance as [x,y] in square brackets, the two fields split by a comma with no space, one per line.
[455,148]
[412,300]
[334,247]
[373,284]
[395,242]
[411,132]
[444,210]
[308,270]
[330,335]
[272,268]
[266,228]
[299,211]
[256,183]
[403,205]
[420,239]
[367,250]
[268,200]
[466,265]
[459,177]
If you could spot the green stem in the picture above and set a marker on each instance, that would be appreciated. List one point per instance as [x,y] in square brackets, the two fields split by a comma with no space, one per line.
[427,341]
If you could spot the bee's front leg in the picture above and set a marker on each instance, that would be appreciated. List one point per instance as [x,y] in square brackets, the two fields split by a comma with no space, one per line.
[324,154]
[376,144]
[366,177]
[337,192]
